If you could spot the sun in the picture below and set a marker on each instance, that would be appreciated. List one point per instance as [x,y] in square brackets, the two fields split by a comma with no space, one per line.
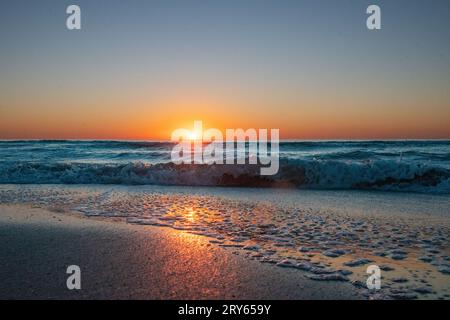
[193,136]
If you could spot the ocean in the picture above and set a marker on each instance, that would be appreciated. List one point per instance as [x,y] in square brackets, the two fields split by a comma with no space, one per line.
[333,208]
[408,166]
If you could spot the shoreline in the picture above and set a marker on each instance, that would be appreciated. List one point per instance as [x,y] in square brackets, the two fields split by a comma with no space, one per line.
[124,261]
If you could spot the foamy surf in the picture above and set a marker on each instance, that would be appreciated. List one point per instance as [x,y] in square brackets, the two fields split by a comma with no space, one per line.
[316,174]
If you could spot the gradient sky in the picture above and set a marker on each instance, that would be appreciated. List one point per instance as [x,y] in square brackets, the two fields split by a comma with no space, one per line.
[140,69]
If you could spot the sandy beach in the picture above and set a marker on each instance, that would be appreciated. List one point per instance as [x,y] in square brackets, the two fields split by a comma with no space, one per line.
[124,261]
[167,242]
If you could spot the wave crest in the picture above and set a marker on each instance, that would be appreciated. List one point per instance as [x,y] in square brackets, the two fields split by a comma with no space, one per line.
[309,174]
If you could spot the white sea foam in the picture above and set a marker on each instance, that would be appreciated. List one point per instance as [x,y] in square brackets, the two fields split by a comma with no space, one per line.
[417,166]
[310,174]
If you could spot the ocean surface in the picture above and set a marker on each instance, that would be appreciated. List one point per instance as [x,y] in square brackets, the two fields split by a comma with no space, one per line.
[408,166]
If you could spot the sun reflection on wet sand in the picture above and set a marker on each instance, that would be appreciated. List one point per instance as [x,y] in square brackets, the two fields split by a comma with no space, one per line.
[188,262]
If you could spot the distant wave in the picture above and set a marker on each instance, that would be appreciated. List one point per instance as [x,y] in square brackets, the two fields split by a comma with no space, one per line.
[363,154]
[386,175]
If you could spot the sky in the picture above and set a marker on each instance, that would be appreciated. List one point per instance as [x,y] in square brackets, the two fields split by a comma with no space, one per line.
[141,69]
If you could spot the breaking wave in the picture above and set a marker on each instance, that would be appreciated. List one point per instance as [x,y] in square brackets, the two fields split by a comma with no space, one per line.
[388,175]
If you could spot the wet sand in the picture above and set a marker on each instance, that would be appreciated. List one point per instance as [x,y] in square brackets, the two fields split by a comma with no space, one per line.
[124,261]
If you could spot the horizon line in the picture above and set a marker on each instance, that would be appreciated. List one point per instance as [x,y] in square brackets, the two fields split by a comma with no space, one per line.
[281,140]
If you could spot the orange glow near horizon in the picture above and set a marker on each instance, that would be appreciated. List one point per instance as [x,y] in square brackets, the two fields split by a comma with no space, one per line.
[143,121]
[161,129]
